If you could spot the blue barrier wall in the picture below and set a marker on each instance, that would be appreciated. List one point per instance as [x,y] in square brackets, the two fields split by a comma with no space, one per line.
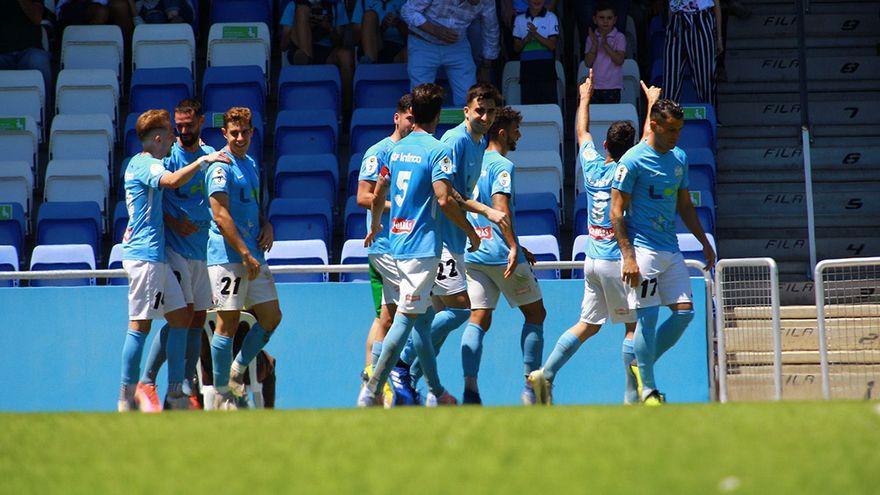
[60,349]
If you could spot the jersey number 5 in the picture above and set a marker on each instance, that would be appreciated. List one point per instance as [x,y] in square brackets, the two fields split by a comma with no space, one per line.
[402,185]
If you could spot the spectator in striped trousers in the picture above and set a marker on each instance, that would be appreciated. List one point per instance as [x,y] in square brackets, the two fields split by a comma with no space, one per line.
[693,35]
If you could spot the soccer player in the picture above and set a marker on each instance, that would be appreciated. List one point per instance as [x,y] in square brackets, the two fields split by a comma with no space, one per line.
[383,275]
[153,291]
[499,265]
[187,219]
[650,185]
[468,143]
[605,295]
[420,172]
[238,272]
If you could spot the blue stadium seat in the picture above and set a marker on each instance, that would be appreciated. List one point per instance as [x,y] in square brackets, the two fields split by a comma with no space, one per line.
[305,132]
[706,214]
[354,171]
[120,221]
[159,88]
[132,143]
[379,85]
[578,253]
[301,219]
[8,263]
[701,181]
[120,180]
[657,38]
[298,252]
[354,253]
[114,262]
[234,86]
[62,257]
[241,11]
[545,248]
[537,214]
[213,135]
[355,219]
[688,90]
[309,87]
[369,126]
[74,222]
[307,176]
[12,225]
[581,215]
[698,132]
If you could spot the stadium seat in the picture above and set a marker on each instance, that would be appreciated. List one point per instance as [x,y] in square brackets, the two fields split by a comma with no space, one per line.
[354,171]
[87,91]
[581,215]
[309,87]
[379,85]
[157,46]
[601,118]
[699,128]
[355,219]
[238,86]
[354,253]
[213,135]
[132,145]
[93,47]
[82,137]
[705,206]
[579,253]
[305,132]
[12,225]
[657,37]
[70,223]
[298,252]
[688,91]
[159,88]
[77,180]
[537,171]
[512,90]
[541,128]
[23,92]
[19,136]
[17,184]
[120,221]
[702,183]
[300,219]
[62,257]
[241,11]
[545,248]
[8,263]
[691,249]
[536,213]
[239,44]
[371,125]
[114,262]
[307,176]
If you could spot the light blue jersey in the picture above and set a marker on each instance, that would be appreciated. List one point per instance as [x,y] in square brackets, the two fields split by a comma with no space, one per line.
[495,178]
[467,159]
[189,201]
[144,238]
[653,181]
[241,182]
[597,183]
[374,159]
[416,162]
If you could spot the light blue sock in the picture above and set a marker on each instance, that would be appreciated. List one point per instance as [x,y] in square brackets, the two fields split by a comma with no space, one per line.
[409,355]
[375,352]
[644,346]
[443,323]
[221,357]
[193,353]
[253,343]
[471,349]
[132,349]
[422,339]
[631,392]
[391,347]
[156,356]
[532,344]
[671,330]
[566,347]
[175,349]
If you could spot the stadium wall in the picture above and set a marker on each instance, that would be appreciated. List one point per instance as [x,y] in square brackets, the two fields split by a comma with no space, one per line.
[60,349]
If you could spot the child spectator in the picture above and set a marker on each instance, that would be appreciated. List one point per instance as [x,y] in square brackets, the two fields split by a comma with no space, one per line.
[535,34]
[605,50]
[162,11]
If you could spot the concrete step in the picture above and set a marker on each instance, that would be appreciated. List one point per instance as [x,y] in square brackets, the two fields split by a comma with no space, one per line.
[849,204]
[790,134]
[790,158]
[852,334]
[812,52]
[749,382]
[786,69]
[826,175]
[796,248]
[796,289]
[789,87]
[771,27]
[786,111]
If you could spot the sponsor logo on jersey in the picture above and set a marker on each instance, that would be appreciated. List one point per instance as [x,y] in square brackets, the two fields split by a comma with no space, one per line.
[484,232]
[402,225]
[601,233]
[406,158]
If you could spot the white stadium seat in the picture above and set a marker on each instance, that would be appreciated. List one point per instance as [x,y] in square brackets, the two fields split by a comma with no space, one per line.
[93,47]
[23,92]
[63,257]
[239,44]
[77,180]
[537,171]
[163,45]
[87,91]
[82,136]
[512,90]
[545,248]
[17,184]
[19,138]
[288,252]
[601,118]
[541,128]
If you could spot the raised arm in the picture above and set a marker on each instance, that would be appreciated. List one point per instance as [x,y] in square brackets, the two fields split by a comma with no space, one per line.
[585,91]
[443,191]
[688,214]
[652,94]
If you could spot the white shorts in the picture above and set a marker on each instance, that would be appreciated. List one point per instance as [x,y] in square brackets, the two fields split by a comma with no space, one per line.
[665,279]
[193,278]
[605,295]
[384,264]
[233,291]
[451,276]
[153,290]
[416,281]
[486,283]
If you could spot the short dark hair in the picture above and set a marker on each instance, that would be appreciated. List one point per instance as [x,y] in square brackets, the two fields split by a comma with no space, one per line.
[189,106]
[504,118]
[427,100]
[665,108]
[404,104]
[604,5]
[620,138]
[482,91]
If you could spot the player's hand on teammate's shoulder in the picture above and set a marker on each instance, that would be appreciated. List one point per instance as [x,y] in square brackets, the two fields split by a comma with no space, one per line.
[266,237]
[498,217]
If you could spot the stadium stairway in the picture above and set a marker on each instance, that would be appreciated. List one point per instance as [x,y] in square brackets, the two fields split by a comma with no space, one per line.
[761,191]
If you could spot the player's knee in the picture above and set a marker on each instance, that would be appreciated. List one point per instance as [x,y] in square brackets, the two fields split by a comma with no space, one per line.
[535,313]
[271,322]
[198,319]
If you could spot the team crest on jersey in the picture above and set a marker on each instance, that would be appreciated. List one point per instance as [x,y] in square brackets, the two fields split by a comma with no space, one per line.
[156,169]
[620,173]
[678,171]
[402,225]
[371,165]
[504,179]
[218,177]
[446,165]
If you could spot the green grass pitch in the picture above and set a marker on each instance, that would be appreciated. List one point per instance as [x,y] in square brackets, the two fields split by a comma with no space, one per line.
[783,448]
